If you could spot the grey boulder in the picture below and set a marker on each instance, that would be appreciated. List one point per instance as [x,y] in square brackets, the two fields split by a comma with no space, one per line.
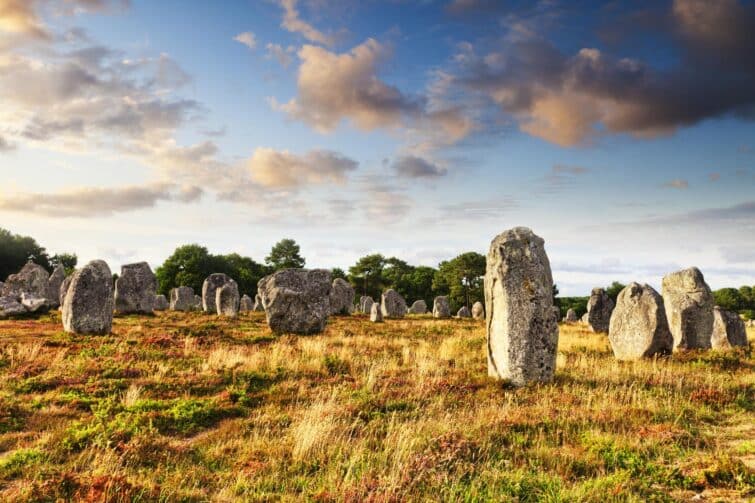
[689,308]
[341,297]
[522,327]
[34,304]
[638,326]
[54,284]
[227,300]
[728,330]
[135,289]
[464,312]
[393,304]
[182,299]
[296,300]
[88,307]
[599,309]
[365,304]
[161,303]
[10,307]
[197,303]
[246,304]
[571,316]
[209,287]
[32,280]
[376,314]
[419,307]
[441,307]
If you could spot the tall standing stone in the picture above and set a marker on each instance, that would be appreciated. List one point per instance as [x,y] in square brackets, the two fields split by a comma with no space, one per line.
[341,297]
[638,326]
[227,300]
[728,330]
[296,300]
[210,285]
[478,311]
[393,304]
[88,307]
[182,299]
[419,307]
[54,283]
[376,313]
[521,327]
[441,307]
[689,308]
[135,289]
[599,309]
[246,304]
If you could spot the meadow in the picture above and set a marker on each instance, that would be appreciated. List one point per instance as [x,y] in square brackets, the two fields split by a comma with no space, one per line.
[192,407]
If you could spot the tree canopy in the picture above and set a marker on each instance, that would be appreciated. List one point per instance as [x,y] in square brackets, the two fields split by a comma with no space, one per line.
[285,254]
[461,278]
[17,250]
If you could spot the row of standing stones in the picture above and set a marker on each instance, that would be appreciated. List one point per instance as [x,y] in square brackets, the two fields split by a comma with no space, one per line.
[522,321]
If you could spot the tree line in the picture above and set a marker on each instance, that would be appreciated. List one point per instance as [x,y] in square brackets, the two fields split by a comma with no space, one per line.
[460,278]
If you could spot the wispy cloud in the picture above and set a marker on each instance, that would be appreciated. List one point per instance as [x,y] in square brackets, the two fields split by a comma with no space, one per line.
[677,183]
[246,38]
[293,22]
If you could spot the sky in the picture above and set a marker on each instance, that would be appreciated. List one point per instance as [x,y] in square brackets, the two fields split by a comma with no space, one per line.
[623,133]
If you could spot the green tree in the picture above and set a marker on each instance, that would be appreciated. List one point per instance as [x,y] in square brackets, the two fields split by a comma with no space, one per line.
[730,299]
[189,265]
[285,254]
[367,274]
[67,260]
[337,272]
[397,275]
[614,290]
[16,250]
[421,284]
[461,279]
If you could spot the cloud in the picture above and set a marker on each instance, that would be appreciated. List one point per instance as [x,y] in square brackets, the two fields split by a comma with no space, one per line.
[246,38]
[282,169]
[416,167]
[22,16]
[569,99]
[677,183]
[384,204]
[96,201]
[293,23]
[489,209]
[5,145]
[283,56]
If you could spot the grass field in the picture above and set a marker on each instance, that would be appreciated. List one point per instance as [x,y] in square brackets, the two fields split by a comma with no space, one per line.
[191,407]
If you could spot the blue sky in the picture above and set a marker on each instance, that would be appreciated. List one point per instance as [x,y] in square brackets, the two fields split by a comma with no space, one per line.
[622,132]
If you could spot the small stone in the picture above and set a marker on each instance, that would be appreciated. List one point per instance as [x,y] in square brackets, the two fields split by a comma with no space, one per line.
[54,283]
[441,307]
[365,304]
[341,297]
[522,324]
[246,304]
[419,307]
[296,300]
[210,285]
[88,307]
[376,313]
[478,311]
[393,304]
[161,303]
[728,330]
[183,299]
[689,308]
[571,316]
[599,309]
[135,289]
[464,312]
[227,300]
[638,326]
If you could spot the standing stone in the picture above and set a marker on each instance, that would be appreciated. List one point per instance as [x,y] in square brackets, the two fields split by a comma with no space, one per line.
[464,312]
[227,300]
[522,326]
[64,290]
[599,309]
[638,327]
[341,297]
[571,316]
[478,311]
[419,307]
[32,280]
[689,308]
[135,289]
[441,308]
[246,304]
[88,307]
[54,283]
[197,303]
[365,304]
[10,306]
[161,303]
[258,306]
[210,285]
[296,300]
[728,330]
[376,313]
[182,299]
[393,304]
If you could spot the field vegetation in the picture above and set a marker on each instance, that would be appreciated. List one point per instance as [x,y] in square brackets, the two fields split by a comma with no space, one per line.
[191,407]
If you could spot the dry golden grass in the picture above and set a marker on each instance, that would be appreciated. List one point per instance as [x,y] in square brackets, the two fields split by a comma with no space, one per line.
[191,407]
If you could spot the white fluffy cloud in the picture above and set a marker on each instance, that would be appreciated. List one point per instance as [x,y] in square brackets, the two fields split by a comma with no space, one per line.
[282,169]
[246,38]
